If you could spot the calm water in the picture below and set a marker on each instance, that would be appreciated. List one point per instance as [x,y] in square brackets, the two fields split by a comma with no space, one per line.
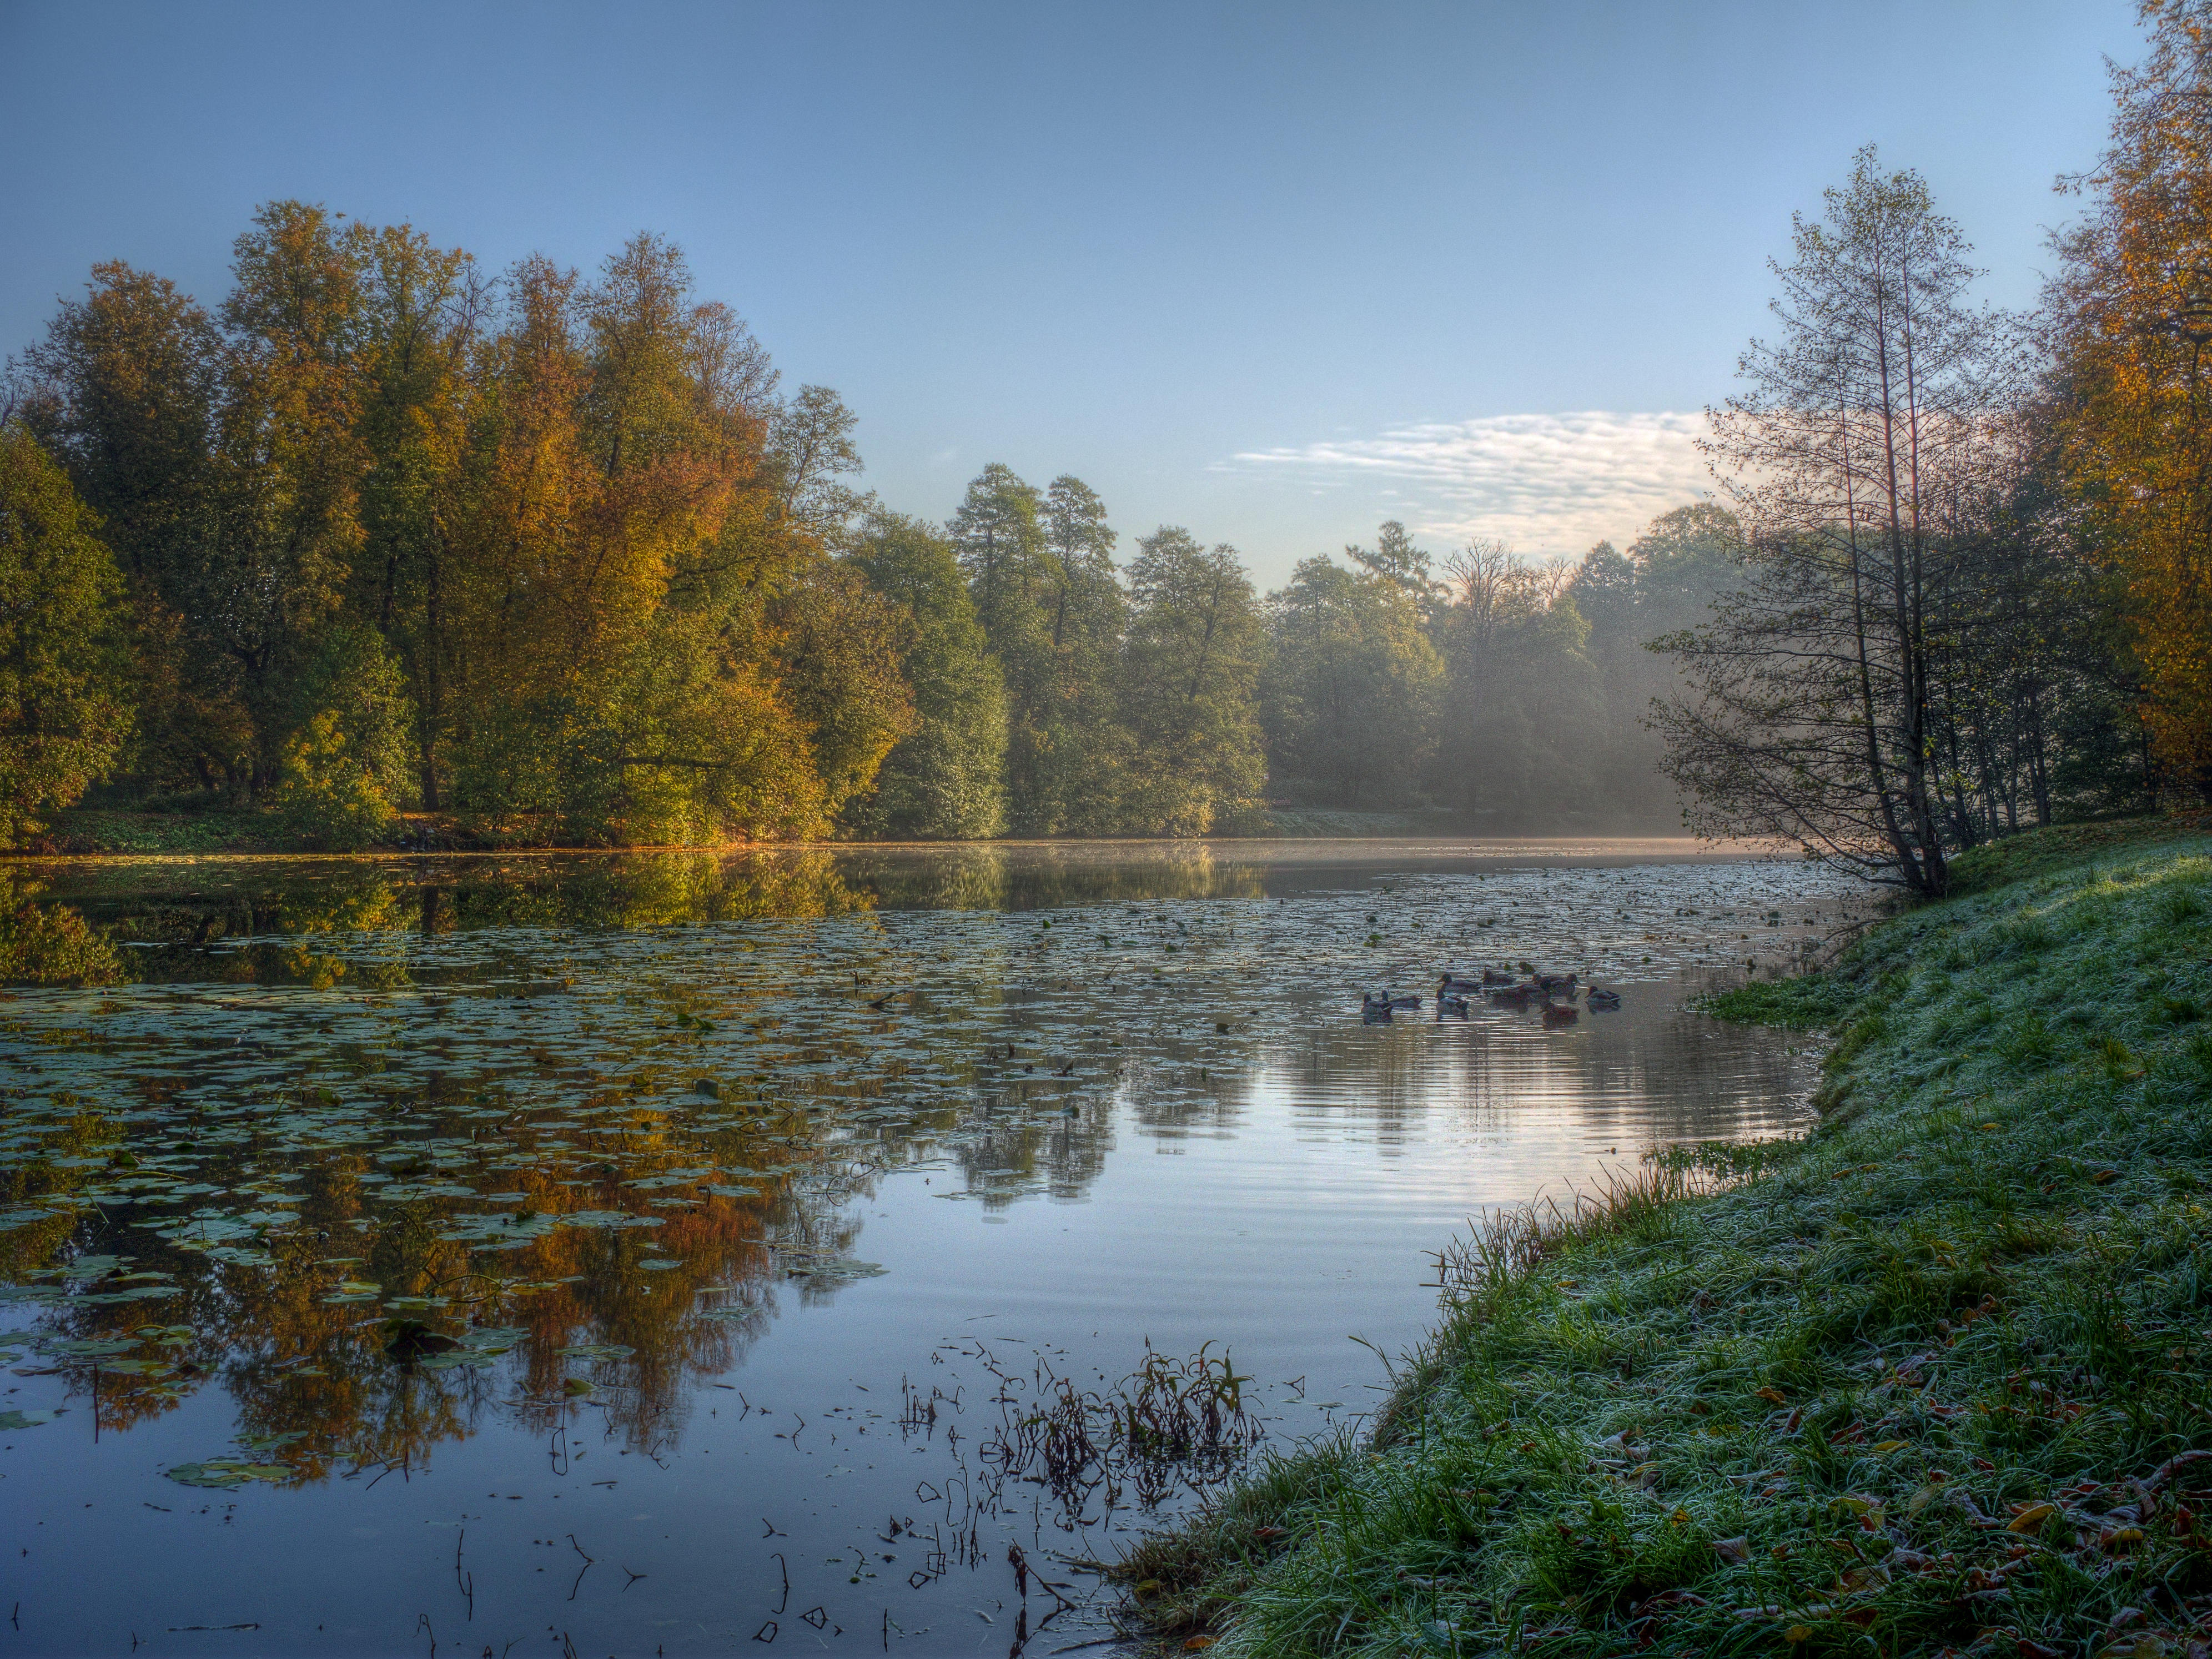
[588,1256]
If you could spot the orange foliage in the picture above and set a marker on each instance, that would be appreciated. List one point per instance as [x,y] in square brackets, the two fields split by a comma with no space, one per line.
[2133,307]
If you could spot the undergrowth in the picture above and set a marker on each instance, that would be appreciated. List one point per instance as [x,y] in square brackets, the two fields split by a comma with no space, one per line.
[1936,1379]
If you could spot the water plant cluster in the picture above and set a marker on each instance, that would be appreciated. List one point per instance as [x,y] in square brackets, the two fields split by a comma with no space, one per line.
[1935,1378]
[1170,1426]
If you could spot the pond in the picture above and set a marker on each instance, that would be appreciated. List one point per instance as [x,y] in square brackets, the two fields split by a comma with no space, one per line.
[670,1252]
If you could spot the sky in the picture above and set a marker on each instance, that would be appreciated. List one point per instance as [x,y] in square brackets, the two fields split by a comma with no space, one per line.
[1274,272]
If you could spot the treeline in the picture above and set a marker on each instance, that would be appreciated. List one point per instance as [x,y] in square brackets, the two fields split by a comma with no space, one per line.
[544,552]
[1514,693]
[556,558]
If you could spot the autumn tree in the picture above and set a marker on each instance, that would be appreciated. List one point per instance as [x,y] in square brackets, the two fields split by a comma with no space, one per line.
[2130,311]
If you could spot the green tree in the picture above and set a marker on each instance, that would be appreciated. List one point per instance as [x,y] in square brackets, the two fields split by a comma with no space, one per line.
[1089,751]
[998,534]
[416,340]
[1667,580]
[1189,676]
[944,780]
[1523,702]
[1348,697]
[125,390]
[282,525]
[65,689]
[1395,558]
[837,664]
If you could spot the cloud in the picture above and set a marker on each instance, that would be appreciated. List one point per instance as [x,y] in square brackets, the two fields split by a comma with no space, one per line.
[1549,484]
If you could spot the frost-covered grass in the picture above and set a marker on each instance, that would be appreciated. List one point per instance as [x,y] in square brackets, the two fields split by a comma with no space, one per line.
[1918,1382]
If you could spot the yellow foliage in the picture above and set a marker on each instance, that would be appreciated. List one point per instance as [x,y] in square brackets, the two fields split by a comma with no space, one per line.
[2133,302]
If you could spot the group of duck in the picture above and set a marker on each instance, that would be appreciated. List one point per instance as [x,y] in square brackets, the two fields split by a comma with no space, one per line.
[1555,993]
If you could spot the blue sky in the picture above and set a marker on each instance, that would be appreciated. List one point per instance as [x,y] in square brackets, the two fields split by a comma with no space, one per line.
[1274,272]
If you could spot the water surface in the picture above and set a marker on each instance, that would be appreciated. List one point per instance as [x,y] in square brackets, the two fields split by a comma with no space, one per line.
[664,1253]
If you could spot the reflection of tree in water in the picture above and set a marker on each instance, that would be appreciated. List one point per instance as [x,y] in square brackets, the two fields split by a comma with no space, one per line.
[256,923]
[299,1355]
[44,943]
[447,1058]
[1040,877]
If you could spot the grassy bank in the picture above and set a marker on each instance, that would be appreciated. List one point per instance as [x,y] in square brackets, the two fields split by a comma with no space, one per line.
[1937,1376]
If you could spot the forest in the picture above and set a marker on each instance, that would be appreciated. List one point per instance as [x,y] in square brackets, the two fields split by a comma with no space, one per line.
[554,559]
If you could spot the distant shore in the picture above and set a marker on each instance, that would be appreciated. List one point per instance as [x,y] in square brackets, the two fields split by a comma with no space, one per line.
[86,832]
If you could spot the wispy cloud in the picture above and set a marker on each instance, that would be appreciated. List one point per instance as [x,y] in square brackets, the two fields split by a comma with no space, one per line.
[1550,484]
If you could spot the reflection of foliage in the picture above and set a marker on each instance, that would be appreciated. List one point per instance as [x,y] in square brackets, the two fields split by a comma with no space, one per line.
[49,944]
[592,1160]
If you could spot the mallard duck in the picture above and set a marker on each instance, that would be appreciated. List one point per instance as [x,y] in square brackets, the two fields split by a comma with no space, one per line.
[1514,996]
[1374,1011]
[1495,977]
[1450,1007]
[1451,983]
[1603,1001]
[1549,982]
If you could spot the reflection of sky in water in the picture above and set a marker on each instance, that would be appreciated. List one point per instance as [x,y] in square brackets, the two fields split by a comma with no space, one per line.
[467,1094]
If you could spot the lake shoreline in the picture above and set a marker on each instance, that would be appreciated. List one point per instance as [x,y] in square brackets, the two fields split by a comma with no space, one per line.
[107,833]
[1931,1372]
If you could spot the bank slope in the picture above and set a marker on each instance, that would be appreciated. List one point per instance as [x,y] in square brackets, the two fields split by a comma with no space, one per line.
[1939,1376]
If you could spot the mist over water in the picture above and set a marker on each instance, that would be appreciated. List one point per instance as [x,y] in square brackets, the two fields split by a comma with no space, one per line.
[657,1252]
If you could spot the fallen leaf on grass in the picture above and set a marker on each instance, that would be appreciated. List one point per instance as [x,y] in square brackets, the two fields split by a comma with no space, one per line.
[1735,1551]
[2032,1518]
[1922,1498]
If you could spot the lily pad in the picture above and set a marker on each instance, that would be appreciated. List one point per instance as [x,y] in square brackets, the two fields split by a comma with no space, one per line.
[223,1473]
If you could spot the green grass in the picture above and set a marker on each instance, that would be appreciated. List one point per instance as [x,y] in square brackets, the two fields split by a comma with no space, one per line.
[1814,1001]
[108,830]
[1815,1395]
[2035,852]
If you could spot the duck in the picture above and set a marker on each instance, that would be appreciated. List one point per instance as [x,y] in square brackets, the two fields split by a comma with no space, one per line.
[1451,983]
[1549,982]
[1404,1000]
[1495,977]
[1603,1001]
[1374,1011]
[1514,996]
[1450,1007]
